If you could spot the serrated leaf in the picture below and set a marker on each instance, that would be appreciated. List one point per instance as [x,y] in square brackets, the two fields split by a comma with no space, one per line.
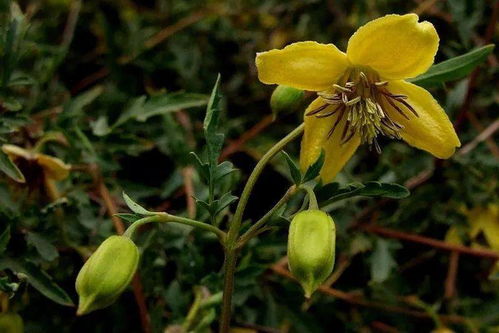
[294,169]
[214,139]
[368,189]
[4,239]
[387,190]
[10,169]
[204,205]
[173,102]
[135,207]
[453,69]
[202,168]
[46,250]
[314,169]
[224,201]
[223,169]
[39,279]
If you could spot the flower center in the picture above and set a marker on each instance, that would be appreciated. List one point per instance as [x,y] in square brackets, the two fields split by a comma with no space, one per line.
[362,99]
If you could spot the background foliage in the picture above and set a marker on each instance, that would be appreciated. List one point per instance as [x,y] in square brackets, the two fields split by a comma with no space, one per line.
[118,90]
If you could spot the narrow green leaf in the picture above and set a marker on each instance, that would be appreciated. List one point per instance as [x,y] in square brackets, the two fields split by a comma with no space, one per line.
[39,279]
[135,207]
[10,169]
[368,189]
[294,169]
[314,169]
[387,190]
[129,217]
[170,103]
[453,69]
[77,104]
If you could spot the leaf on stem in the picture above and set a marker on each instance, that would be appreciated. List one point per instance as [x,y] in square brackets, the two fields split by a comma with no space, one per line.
[454,68]
[330,193]
[294,169]
[314,169]
[10,169]
[214,139]
[135,207]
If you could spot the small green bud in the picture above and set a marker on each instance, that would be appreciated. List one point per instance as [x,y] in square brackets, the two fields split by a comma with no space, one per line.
[106,273]
[285,99]
[11,323]
[311,248]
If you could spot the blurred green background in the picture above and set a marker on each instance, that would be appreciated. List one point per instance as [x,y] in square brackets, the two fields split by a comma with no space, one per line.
[118,88]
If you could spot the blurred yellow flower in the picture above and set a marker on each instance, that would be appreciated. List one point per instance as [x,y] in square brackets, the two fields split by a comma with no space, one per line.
[362,93]
[52,167]
[483,231]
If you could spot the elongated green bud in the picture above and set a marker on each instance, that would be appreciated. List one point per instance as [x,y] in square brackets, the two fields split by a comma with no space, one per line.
[106,273]
[311,248]
[11,323]
[285,99]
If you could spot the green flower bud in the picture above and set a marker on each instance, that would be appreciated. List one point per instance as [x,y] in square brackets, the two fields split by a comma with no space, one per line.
[11,323]
[106,273]
[285,99]
[311,248]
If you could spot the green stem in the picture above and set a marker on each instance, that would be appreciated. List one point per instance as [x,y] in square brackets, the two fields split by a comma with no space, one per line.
[235,225]
[238,215]
[165,217]
[255,228]
[312,199]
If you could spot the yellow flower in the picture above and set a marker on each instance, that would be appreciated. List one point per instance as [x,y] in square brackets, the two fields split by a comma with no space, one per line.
[362,93]
[483,230]
[53,168]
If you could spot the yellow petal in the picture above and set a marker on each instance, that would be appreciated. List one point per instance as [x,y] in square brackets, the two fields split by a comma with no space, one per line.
[15,151]
[453,237]
[396,46]
[302,65]
[432,130]
[315,138]
[53,167]
[485,220]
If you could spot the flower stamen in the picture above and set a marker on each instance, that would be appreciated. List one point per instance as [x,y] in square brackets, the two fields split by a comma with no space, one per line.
[362,100]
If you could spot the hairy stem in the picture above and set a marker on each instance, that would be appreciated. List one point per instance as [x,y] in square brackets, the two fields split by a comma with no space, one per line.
[235,225]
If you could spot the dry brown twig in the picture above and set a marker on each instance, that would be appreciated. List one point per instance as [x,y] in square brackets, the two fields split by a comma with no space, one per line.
[353,299]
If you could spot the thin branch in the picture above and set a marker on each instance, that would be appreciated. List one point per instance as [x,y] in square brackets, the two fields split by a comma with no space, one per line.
[485,135]
[450,280]
[430,242]
[236,145]
[358,300]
